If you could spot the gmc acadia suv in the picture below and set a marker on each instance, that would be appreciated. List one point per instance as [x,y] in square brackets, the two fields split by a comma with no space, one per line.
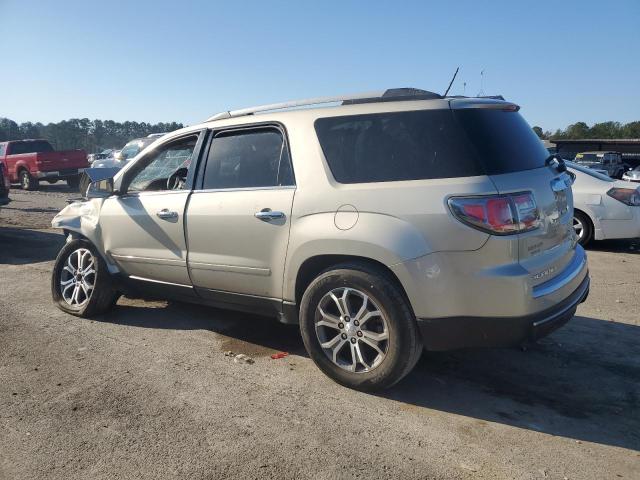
[383,225]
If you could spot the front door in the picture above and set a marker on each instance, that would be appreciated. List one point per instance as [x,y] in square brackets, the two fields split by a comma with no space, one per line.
[143,227]
[238,221]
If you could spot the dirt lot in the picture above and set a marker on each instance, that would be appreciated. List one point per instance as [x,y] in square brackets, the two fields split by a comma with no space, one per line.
[147,392]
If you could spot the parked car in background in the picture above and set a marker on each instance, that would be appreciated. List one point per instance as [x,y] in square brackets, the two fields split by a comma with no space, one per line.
[609,163]
[92,157]
[119,158]
[30,161]
[384,224]
[632,175]
[604,208]
[5,185]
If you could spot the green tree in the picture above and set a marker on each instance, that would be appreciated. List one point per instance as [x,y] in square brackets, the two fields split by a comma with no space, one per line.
[538,131]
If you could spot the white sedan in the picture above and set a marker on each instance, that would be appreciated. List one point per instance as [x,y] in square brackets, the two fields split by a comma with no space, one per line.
[604,208]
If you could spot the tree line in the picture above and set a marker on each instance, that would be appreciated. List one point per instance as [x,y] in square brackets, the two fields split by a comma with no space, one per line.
[581,130]
[90,135]
[97,135]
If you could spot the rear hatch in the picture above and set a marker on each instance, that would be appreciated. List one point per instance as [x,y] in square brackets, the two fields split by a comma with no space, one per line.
[515,160]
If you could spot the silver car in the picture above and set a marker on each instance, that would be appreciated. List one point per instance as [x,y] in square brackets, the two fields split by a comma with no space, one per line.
[385,224]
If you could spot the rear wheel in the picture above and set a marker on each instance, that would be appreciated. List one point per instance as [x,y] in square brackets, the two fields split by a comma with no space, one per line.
[358,328]
[84,183]
[583,227]
[80,283]
[73,182]
[27,181]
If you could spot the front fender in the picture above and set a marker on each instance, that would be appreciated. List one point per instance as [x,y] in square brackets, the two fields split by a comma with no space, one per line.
[82,218]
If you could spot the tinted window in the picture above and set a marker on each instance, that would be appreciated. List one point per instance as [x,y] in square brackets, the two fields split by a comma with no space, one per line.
[152,171]
[248,159]
[37,146]
[395,146]
[503,140]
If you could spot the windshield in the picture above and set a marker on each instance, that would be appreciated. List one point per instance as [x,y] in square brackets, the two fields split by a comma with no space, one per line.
[590,172]
[589,158]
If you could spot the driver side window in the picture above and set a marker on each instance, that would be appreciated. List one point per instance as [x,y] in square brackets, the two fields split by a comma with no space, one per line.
[168,162]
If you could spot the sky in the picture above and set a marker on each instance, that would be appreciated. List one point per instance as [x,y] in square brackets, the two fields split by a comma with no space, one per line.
[152,61]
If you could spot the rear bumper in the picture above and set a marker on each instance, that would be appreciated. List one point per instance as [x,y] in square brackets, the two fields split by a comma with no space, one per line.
[58,174]
[453,333]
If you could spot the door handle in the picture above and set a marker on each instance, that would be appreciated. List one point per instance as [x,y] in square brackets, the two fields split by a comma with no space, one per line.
[268,214]
[167,214]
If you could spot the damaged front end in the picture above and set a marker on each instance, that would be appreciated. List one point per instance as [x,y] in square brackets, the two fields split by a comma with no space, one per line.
[80,219]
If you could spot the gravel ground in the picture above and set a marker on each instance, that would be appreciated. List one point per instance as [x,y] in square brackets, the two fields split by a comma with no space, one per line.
[147,392]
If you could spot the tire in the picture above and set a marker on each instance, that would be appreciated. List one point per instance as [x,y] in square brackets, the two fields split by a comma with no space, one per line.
[395,329]
[583,227]
[100,298]
[28,182]
[84,183]
[51,182]
[73,182]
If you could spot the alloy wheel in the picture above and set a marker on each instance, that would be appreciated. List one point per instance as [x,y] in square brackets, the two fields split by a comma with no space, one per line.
[77,278]
[578,227]
[352,330]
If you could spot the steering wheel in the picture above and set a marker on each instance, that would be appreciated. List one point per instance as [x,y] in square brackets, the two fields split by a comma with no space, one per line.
[177,179]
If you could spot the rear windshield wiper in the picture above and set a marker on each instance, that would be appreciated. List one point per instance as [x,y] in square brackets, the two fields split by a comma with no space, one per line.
[556,162]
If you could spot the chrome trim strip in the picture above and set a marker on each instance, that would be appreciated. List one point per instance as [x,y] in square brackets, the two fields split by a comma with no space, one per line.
[134,277]
[555,315]
[225,292]
[264,272]
[157,261]
[243,189]
[576,265]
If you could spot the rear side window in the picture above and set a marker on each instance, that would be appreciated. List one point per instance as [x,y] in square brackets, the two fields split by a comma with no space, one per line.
[3,147]
[503,140]
[248,159]
[395,146]
[37,146]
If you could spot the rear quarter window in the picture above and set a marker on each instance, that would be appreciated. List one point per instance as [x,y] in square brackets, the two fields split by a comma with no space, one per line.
[502,139]
[385,147]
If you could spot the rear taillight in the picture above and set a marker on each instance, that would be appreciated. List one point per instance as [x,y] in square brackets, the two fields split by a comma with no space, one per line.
[628,196]
[498,214]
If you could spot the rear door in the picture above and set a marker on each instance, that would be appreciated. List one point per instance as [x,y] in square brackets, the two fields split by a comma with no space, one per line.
[238,221]
[515,160]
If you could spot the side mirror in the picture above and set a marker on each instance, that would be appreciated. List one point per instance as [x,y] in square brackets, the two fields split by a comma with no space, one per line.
[101,188]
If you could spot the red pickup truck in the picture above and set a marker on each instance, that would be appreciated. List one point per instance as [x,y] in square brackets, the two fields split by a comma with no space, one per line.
[29,161]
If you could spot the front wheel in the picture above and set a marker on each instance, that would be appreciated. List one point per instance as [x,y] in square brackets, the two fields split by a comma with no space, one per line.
[80,282]
[358,327]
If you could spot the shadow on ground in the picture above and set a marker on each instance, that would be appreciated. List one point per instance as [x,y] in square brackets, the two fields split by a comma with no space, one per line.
[583,382]
[616,246]
[21,246]
[243,333]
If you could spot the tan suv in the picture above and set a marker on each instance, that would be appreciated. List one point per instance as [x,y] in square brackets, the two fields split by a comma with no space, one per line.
[382,223]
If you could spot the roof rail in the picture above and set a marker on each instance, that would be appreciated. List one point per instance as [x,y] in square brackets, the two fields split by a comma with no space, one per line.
[390,95]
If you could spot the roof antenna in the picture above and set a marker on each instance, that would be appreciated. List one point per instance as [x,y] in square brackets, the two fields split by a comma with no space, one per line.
[481,92]
[451,83]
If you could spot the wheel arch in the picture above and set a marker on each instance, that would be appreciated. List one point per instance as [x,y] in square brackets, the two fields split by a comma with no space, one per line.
[313,266]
